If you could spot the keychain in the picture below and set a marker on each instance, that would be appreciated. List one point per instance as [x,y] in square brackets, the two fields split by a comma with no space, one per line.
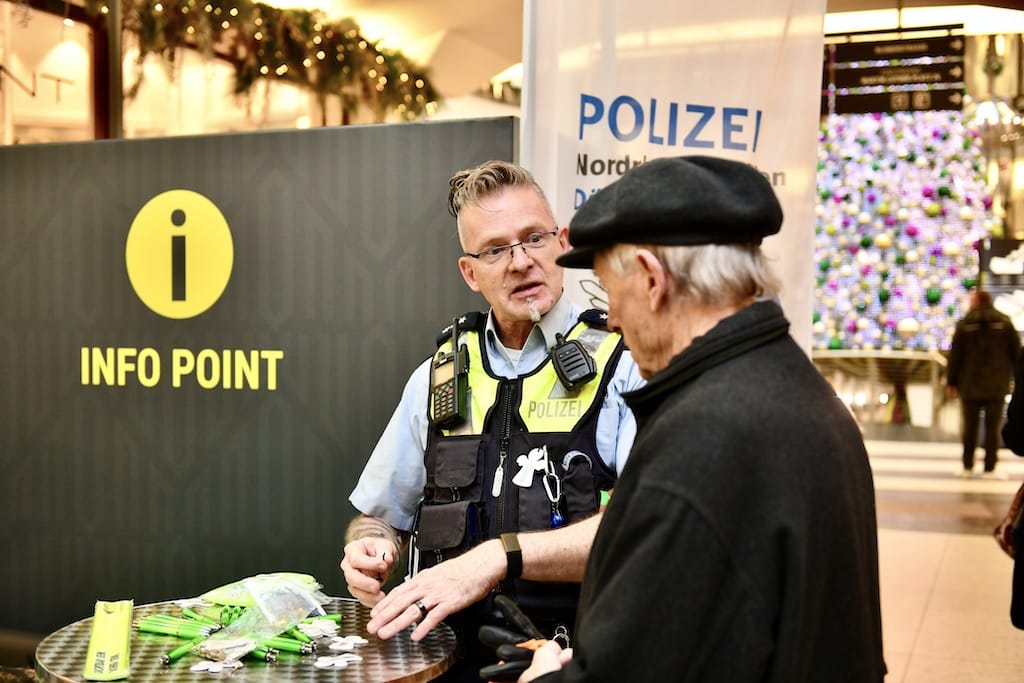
[499,478]
[529,464]
[553,488]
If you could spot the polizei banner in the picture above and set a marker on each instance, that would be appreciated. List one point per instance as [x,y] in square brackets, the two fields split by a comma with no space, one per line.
[610,84]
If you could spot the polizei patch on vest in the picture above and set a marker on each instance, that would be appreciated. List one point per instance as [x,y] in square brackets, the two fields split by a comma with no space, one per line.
[553,409]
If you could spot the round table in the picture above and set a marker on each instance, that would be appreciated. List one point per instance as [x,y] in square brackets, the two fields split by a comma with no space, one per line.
[61,655]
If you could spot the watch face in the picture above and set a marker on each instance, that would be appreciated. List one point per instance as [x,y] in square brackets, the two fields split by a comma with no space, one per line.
[513,555]
[510,542]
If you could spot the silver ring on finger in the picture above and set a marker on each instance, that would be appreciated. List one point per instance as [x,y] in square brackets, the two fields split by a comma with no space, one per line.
[422,608]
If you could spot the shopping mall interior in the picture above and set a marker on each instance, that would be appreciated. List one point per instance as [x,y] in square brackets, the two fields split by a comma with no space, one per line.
[914,206]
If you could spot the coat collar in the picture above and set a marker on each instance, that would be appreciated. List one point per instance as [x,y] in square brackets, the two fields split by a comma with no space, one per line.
[748,328]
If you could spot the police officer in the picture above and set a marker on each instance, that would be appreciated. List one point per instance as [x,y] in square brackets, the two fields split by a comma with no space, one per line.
[533,444]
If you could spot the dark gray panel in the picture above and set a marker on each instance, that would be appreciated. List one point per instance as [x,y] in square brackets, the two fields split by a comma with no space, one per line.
[344,258]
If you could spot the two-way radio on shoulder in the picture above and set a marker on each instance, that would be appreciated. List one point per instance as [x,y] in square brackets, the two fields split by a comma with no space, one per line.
[573,365]
[449,380]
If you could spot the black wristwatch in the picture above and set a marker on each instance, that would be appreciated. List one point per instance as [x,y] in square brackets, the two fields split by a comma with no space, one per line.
[513,555]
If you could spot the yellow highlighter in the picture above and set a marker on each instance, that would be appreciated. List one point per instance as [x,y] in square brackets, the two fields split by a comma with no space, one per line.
[110,641]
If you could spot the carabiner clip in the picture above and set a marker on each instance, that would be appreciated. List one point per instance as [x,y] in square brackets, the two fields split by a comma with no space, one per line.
[553,495]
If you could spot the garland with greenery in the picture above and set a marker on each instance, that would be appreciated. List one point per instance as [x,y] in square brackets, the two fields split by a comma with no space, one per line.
[302,47]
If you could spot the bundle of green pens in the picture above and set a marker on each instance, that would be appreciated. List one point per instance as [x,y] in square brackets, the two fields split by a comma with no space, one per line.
[193,627]
[275,605]
[255,618]
[168,625]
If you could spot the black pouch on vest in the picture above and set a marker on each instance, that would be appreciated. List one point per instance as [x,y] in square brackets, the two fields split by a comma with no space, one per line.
[582,498]
[531,504]
[455,469]
[446,531]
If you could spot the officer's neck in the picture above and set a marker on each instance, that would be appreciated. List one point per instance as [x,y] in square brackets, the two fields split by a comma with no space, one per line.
[513,335]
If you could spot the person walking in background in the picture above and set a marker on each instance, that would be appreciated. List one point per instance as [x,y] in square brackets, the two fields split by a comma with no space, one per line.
[981,362]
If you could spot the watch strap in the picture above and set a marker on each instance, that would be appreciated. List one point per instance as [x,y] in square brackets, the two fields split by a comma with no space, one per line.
[513,555]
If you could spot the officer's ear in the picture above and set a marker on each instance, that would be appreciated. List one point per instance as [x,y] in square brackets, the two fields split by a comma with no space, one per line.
[466,267]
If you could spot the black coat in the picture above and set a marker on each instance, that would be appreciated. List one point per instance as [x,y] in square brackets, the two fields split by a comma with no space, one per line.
[741,541]
[1013,428]
[1013,437]
[982,355]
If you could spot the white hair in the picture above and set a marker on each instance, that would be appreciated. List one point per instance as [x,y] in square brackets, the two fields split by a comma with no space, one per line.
[719,275]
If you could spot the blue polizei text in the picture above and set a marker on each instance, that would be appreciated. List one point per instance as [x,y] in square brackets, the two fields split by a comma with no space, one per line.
[674,124]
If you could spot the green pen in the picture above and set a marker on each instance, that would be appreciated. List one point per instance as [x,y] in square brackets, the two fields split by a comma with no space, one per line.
[299,635]
[229,613]
[163,617]
[168,630]
[331,617]
[168,620]
[199,617]
[180,651]
[289,645]
[263,653]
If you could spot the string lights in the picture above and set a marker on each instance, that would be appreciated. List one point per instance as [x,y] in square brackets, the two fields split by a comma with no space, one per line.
[331,58]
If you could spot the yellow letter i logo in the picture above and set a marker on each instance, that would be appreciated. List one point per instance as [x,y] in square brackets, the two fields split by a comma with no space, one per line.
[179,254]
[178,258]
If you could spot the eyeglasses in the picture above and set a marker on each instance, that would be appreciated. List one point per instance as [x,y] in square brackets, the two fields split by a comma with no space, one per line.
[536,240]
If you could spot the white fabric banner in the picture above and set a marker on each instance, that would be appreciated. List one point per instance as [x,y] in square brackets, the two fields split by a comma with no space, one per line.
[609,84]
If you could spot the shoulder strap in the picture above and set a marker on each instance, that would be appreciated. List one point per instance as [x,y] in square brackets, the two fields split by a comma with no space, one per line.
[595,317]
[474,320]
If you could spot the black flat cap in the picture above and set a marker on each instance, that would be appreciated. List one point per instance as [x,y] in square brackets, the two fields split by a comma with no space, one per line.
[687,200]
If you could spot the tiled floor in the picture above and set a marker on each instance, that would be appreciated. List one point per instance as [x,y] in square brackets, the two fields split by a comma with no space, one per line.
[945,583]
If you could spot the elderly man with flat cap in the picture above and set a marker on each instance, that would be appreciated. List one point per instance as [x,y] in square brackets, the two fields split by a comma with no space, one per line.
[741,543]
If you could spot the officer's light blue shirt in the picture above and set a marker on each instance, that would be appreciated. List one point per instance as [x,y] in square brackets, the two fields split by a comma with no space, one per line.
[392,482]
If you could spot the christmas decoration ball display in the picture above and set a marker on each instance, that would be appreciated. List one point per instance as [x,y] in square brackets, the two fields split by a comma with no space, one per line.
[902,204]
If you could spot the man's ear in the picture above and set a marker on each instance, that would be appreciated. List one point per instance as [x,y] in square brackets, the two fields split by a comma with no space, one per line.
[466,266]
[655,279]
[563,237]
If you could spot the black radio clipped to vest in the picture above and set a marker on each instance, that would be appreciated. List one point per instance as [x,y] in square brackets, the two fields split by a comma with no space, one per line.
[573,364]
[449,380]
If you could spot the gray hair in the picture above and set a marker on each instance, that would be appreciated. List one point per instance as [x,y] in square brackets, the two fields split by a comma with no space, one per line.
[719,275]
[469,186]
[472,185]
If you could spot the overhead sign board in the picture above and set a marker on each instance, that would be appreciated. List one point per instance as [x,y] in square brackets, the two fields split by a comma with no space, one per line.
[911,48]
[910,74]
[950,72]
[905,100]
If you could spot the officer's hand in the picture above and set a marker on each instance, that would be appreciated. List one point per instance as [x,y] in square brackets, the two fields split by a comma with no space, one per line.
[442,590]
[367,565]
